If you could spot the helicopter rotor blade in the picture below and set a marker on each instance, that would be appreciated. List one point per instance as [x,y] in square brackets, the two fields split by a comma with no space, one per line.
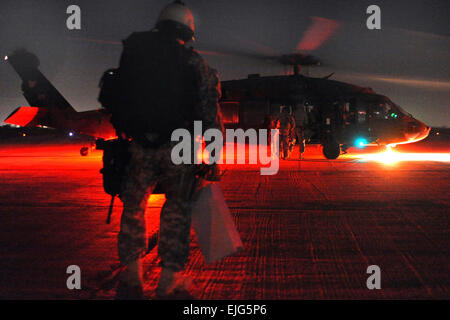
[320,30]
[283,59]
[206,52]
[213,53]
[269,55]
[257,47]
[237,53]
[416,82]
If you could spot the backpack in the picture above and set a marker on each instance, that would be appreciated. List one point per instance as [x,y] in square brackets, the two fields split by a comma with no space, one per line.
[154,90]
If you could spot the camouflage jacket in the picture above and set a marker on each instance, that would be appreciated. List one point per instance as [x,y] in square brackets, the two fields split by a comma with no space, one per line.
[287,124]
[208,108]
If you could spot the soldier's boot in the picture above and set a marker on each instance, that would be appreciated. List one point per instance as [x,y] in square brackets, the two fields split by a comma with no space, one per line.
[174,285]
[130,282]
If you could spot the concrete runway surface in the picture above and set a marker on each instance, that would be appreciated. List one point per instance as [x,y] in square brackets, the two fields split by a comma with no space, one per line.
[309,232]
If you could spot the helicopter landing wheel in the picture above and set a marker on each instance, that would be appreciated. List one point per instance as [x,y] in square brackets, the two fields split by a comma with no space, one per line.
[84,151]
[331,149]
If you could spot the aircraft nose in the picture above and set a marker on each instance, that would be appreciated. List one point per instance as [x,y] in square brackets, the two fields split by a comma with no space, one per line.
[426,132]
[417,130]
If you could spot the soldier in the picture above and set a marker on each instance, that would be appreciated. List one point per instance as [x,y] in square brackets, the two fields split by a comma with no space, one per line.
[301,120]
[271,121]
[287,127]
[167,86]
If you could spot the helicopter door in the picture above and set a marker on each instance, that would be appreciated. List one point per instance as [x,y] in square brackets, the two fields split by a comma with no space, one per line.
[275,108]
[300,116]
[230,113]
[350,113]
[253,113]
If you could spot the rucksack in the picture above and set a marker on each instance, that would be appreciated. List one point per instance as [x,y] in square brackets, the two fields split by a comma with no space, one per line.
[154,90]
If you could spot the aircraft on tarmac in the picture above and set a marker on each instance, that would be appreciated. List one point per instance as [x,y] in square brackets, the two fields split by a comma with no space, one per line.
[337,114]
[49,108]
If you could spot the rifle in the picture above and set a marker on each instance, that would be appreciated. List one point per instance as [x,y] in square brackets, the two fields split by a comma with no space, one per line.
[115,160]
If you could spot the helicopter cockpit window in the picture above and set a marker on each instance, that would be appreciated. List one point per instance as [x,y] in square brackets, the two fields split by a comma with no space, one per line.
[401,111]
[393,111]
[386,109]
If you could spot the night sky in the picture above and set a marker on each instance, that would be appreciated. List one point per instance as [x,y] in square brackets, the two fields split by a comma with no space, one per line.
[408,60]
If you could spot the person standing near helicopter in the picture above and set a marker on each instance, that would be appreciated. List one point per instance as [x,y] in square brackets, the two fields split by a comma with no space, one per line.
[165,86]
[301,121]
[287,127]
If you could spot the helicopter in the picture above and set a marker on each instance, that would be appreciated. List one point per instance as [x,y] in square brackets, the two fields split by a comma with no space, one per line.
[337,115]
[49,108]
[334,114]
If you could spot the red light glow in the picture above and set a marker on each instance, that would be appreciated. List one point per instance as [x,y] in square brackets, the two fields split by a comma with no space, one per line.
[391,156]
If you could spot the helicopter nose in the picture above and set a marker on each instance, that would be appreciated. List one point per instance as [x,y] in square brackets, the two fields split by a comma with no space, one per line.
[426,132]
[416,130]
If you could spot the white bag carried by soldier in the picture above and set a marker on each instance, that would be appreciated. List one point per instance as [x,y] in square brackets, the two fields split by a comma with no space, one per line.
[213,225]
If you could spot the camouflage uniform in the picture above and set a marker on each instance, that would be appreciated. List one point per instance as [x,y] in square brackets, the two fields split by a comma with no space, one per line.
[148,167]
[287,125]
[301,122]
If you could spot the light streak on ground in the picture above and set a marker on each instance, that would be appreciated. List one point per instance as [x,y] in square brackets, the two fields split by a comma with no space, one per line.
[391,156]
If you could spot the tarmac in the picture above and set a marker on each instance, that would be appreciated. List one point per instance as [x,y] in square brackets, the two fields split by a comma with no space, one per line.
[309,232]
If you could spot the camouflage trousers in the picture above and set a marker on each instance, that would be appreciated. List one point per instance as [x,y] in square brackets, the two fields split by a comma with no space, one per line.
[148,167]
[284,145]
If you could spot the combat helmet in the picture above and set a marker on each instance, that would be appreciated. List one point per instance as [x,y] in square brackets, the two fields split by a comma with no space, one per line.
[178,17]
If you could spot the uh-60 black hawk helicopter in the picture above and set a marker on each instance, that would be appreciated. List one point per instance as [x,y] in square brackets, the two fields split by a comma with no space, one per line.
[335,114]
